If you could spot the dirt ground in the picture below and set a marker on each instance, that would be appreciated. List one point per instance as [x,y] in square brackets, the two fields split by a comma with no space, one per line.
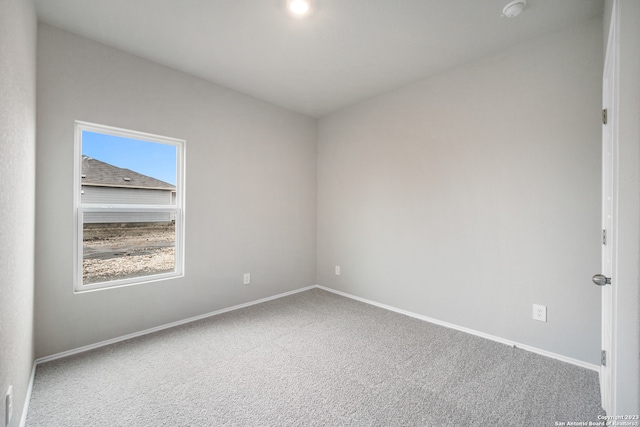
[118,251]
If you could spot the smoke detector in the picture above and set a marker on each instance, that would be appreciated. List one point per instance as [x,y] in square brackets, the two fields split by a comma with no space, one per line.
[513,9]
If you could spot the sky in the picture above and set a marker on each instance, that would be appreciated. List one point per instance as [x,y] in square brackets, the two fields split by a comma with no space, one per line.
[148,158]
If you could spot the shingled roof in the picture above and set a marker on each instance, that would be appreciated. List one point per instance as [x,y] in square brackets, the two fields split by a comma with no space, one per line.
[96,172]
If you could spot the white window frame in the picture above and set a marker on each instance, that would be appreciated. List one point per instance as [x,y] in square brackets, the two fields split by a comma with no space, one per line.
[80,208]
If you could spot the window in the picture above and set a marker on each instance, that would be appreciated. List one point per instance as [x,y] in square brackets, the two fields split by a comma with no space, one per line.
[128,207]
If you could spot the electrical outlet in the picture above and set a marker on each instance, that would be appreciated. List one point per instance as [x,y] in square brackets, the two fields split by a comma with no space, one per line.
[540,312]
[247,279]
[8,407]
[337,270]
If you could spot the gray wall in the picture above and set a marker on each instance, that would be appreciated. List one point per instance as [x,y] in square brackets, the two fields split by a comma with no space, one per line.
[472,195]
[628,280]
[606,21]
[250,191]
[17,197]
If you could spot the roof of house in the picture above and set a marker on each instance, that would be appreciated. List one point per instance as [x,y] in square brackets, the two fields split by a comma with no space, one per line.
[96,172]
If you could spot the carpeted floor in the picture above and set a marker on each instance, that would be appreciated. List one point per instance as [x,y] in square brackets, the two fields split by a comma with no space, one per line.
[311,359]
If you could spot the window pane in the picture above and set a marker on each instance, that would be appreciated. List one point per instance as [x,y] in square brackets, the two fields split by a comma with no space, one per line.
[116,162]
[129,203]
[120,248]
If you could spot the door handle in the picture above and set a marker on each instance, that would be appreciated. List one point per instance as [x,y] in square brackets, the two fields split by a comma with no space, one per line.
[601,280]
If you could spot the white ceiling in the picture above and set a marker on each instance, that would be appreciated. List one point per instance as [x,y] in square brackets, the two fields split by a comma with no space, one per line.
[343,53]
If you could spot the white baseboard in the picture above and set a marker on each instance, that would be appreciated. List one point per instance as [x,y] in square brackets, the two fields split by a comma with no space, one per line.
[27,399]
[78,350]
[546,353]
[82,349]
[165,326]
[248,304]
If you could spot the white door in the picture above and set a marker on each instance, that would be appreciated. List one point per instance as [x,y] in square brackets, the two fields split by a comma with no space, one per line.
[607,278]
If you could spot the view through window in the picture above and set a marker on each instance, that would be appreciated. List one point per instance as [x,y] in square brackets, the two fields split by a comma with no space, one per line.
[129,206]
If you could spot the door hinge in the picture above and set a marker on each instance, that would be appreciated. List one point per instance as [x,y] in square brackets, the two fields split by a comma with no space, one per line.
[603,358]
[604,116]
[604,237]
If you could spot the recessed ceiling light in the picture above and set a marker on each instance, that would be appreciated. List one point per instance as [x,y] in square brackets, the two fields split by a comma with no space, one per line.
[299,7]
[513,9]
